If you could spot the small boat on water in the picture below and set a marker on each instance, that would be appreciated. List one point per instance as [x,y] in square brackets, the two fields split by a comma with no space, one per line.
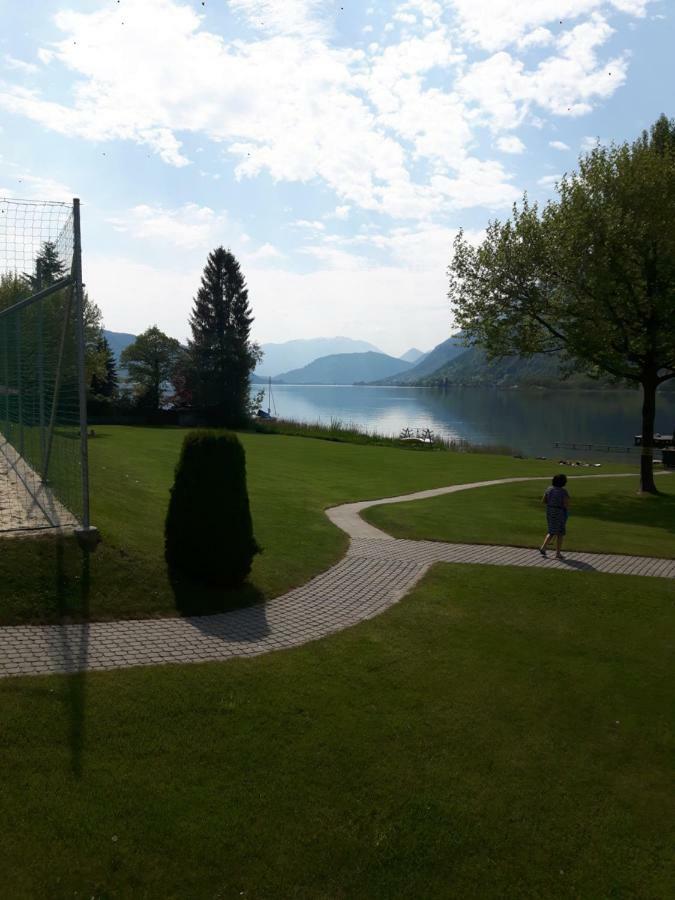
[267,414]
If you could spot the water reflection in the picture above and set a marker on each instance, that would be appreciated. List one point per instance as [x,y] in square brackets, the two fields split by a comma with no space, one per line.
[530,422]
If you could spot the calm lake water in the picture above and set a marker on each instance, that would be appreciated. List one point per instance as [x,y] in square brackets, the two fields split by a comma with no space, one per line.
[530,422]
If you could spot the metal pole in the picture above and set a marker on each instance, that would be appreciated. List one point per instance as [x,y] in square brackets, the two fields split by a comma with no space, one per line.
[79,313]
[6,330]
[41,370]
[19,384]
[57,385]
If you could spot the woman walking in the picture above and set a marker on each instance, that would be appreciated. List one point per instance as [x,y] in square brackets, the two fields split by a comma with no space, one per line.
[557,502]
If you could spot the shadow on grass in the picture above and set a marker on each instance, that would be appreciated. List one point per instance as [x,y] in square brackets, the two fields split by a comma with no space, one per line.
[73,648]
[651,511]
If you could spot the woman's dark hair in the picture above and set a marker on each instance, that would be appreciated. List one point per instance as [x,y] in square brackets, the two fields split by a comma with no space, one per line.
[559,480]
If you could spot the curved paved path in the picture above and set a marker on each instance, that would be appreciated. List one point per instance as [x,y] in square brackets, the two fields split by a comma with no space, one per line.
[376,572]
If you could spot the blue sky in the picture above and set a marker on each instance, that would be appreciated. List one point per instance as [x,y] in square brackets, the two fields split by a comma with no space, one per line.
[335,147]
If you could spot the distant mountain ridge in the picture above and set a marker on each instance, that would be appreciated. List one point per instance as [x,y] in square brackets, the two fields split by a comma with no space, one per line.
[292,355]
[441,355]
[413,355]
[344,368]
[118,340]
[472,368]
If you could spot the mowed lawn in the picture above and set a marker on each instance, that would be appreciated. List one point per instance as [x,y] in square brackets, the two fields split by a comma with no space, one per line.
[291,481]
[606,515]
[498,733]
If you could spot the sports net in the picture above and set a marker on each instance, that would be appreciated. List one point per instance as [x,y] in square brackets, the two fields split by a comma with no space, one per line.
[41,460]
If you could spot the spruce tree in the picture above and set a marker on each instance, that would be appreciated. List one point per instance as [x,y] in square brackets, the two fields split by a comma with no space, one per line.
[107,385]
[49,267]
[222,354]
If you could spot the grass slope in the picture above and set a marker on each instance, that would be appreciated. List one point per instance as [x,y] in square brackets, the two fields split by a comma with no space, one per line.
[606,516]
[291,481]
[496,734]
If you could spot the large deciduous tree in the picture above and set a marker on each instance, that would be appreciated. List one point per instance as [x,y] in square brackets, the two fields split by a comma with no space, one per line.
[151,361]
[222,355]
[591,276]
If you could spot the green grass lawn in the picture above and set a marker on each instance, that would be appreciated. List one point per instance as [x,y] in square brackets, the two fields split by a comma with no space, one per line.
[291,481]
[607,515]
[499,733]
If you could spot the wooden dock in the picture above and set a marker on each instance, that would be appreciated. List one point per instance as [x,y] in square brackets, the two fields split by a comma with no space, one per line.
[660,440]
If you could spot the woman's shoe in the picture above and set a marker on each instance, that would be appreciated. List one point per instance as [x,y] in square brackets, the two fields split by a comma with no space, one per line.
[543,552]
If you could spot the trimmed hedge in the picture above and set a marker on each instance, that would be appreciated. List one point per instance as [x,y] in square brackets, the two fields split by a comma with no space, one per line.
[208,531]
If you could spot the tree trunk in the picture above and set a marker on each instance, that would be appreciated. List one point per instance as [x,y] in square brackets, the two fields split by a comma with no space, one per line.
[647,484]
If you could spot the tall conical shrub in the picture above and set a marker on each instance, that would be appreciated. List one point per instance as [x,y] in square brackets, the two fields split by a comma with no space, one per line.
[208,531]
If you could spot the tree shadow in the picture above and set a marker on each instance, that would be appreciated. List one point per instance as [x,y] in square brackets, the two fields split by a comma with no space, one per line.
[236,614]
[652,511]
[72,648]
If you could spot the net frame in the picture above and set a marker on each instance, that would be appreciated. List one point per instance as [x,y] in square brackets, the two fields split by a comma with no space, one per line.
[23,245]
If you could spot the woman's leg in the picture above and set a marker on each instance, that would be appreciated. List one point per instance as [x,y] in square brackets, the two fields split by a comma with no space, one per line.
[543,547]
[558,544]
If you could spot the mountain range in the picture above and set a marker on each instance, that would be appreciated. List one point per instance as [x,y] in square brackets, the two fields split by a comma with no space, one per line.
[296,354]
[429,363]
[345,368]
[316,361]
[118,340]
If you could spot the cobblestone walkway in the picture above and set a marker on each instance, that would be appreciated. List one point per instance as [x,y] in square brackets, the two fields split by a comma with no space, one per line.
[376,573]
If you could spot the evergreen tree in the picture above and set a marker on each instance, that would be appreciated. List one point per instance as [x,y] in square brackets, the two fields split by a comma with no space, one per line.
[49,267]
[107,385]
[221,352]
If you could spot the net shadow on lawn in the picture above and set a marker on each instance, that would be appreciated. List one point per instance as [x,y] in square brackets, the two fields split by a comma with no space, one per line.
[74,646]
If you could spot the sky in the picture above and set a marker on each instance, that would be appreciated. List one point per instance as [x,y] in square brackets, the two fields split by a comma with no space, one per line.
[334,147]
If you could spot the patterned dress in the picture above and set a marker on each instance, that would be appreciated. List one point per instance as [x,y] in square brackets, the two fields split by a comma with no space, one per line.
[555,510]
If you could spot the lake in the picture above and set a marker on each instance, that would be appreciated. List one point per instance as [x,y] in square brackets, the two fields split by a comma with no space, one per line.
[528,421]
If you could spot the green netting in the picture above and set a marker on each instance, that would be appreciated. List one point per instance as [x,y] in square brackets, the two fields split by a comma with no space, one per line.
[39,364]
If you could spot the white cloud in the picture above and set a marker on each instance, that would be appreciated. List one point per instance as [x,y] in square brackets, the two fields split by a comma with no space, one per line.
[19,65]
[510,144]
[334,258]
[380,129]
[20,183]
[346,299]
[266,252]
[190,226]
[559,145]
[590,143]
[567,83]
[494,24]
[298,17]
[405,18]
[310,225]
[540,37]
[548,181]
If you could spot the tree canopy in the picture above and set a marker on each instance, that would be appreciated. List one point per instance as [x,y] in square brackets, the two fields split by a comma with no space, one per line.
[151,361]
[591,275]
